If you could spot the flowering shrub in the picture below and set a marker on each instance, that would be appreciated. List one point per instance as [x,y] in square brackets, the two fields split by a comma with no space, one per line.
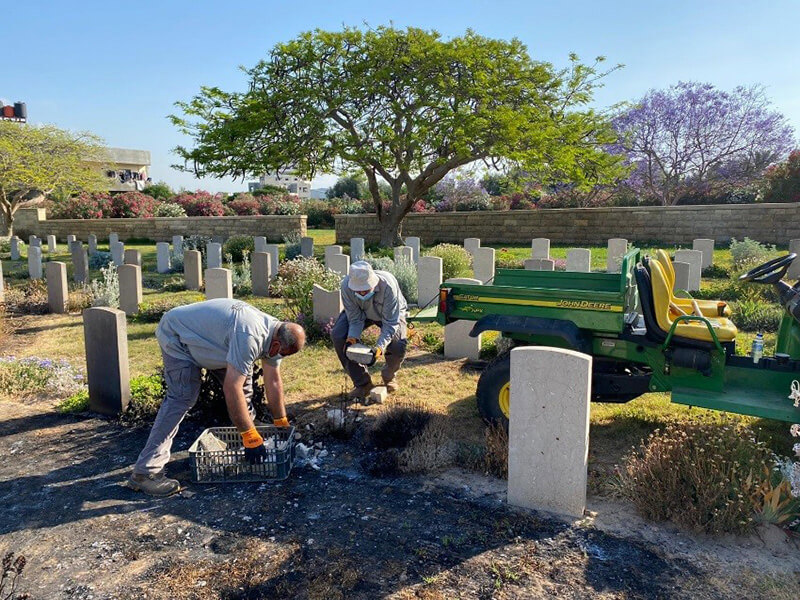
[131,205]
[240,274]
[280,205]
[245,204]
[56,378]
[82,206]
[461,194]
[295,281]
[749,252]
[793,468]
[169,209]
[200,204]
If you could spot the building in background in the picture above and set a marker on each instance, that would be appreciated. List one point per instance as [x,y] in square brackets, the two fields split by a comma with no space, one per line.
[14,112]
[288,179]
[127,170]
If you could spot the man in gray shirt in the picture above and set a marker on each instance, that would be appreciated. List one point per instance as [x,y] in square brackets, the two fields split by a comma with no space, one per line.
[371,297]
[225,337]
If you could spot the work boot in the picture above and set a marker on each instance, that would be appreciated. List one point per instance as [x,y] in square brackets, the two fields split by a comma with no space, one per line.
[154,484]
[391,385]
[360,391]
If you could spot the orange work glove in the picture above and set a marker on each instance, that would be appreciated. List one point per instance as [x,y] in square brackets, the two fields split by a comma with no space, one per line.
[282,422]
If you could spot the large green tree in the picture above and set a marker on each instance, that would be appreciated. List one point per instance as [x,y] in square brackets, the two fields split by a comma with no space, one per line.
[39,160]
[405,107]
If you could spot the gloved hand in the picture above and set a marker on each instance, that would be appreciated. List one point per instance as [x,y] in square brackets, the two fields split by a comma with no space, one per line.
[349,342]
[282,422]
[377,352]
[254,450]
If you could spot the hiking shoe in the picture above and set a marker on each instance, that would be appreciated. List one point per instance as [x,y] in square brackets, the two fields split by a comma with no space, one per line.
[154,484]
[391,385]
[360,392]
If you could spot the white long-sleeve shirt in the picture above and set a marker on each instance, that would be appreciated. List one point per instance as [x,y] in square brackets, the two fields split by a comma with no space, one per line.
[387,307]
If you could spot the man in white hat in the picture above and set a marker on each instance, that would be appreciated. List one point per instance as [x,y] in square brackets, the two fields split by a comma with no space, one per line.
[371,298]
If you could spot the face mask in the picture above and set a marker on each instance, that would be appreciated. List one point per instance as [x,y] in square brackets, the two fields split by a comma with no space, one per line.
[367,296]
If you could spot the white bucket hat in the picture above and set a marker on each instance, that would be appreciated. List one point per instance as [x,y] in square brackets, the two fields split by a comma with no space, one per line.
[361,277]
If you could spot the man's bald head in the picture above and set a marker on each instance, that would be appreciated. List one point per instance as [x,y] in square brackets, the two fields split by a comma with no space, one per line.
[291,336]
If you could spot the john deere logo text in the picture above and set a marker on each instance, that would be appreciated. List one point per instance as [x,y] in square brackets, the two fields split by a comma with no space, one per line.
[584,304]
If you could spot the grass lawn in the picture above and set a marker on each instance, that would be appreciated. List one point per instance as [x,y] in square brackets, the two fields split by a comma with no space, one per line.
[314,378]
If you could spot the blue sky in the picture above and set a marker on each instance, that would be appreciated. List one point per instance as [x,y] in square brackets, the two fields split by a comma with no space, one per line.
[117,68]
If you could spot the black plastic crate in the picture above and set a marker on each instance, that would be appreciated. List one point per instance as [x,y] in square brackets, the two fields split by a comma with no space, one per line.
[230,465]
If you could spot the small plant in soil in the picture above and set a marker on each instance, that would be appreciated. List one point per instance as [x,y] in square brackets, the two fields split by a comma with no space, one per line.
[10,577]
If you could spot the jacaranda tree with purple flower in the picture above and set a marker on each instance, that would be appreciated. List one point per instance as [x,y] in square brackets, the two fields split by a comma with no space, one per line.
[693,138]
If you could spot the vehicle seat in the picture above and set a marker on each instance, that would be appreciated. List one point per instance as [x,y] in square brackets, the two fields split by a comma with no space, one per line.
[709,308]
[695,330]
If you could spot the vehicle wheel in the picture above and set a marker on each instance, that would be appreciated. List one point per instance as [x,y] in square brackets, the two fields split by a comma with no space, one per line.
[493,390]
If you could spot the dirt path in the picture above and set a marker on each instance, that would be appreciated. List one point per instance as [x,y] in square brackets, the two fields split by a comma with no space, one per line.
[332,533]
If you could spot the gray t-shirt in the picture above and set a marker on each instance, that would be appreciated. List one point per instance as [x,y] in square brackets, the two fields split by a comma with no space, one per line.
[215,333]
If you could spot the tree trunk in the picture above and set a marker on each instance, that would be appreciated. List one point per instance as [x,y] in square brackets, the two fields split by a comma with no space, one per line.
[6,221]
[391,226]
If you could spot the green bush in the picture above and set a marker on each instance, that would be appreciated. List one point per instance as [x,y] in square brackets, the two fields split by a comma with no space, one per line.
[716,272]
[404,271]
[291,245]
[238,245]
[748,253]
[151,312]
[147,393]
[703,477]
[76,403]
[295,281]
[754,315]
[456,262]
[99,260]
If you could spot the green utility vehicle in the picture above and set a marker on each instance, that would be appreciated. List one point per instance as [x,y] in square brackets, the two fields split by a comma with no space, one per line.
[641,337]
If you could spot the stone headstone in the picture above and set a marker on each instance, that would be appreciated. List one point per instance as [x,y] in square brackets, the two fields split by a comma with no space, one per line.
[92,244]
[414,244]
[470,244]
[105,333]
[327,305]
[617,247]
[330,251]
[52,246]
[193,269]
[15,242]
[259,273]
[34,241]
[307,247]
[80,262]
[539,264]
[70,239]
[579,260]
[707,248]
[339,263]
[57,289]
[130,288]
[540,248]
[34,262]
[682,272]
[695,260]
[163,263]
[214,255]
[112,238]
[548,432]
[794,269]
[429,278]
[403,254]
[219,283]
[457,341]
[259,243]
[132,257]
[356,249]
[483,264]
[177,245]
[274,259]
[118,253]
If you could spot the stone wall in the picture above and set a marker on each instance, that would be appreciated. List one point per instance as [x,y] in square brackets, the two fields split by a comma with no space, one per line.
[770,223]
[30,221]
